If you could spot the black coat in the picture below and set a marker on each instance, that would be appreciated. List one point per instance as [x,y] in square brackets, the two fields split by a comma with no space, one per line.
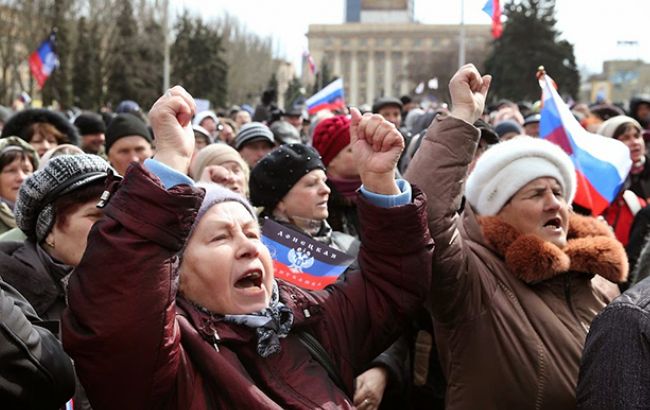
[35,372]
[615,366]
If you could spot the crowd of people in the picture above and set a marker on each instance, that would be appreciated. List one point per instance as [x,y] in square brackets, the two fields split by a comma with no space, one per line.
[134,273]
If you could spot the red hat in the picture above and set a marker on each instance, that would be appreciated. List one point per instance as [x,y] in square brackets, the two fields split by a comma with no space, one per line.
[331,136]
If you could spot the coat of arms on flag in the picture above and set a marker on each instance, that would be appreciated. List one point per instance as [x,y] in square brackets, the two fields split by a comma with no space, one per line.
[302,260]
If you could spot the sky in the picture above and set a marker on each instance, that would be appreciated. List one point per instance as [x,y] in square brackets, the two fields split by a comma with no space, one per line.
[592,26]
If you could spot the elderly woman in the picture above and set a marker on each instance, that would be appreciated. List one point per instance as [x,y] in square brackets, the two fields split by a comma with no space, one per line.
[518,277]
[221,164]
[224,333]
[290,184]
[17,161]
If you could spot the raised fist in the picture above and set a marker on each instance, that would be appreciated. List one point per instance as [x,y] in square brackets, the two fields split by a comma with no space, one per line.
[468,91]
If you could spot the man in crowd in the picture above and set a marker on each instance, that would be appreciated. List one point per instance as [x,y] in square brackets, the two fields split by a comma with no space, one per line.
[92,130]
[127,140]
[253,141]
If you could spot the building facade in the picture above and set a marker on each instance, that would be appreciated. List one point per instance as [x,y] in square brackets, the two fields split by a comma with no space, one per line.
[618,83]
[374,58]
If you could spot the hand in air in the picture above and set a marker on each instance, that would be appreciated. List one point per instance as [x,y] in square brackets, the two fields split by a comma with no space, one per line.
[377,145]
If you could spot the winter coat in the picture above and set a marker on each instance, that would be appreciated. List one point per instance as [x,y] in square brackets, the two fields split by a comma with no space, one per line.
[511,311]
[35,372]
[42,281]
[615,366]
[36,276]
[620,216]
[136,345]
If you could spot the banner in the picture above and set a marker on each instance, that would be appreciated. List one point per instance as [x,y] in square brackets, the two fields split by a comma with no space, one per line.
[301,260]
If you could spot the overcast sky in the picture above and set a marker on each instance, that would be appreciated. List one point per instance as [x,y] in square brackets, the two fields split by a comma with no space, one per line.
[594,27]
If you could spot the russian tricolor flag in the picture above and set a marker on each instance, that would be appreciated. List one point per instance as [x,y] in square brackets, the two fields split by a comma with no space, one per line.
[331,98]
[602,164]
[493,9]
[44,60]
[302,260]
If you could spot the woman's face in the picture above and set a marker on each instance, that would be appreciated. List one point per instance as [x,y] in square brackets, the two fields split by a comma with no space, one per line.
[12,177]
[307,198]
[539,208]
[344,164]
[634,140]
[225,267]
[69,237]
[42,143]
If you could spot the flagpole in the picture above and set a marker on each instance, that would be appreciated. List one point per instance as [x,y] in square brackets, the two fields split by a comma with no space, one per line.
[461,39]
[166,68]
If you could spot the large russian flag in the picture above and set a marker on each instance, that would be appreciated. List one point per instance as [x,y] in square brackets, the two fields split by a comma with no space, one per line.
[302,260]
[602,164]
[493,9]
[44,60]
[331,98]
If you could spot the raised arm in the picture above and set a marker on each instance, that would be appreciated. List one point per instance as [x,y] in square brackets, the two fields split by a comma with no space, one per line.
[439,168]
[120,327]
[366,313]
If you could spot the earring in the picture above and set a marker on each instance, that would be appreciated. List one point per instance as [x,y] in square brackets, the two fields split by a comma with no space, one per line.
[50,244]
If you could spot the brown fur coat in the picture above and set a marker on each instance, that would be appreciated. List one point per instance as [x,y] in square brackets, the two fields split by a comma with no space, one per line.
[591,248]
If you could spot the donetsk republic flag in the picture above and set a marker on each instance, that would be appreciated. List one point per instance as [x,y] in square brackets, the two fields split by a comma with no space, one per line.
[302,260]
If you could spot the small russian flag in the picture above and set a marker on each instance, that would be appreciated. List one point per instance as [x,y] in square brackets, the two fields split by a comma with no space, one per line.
[44,60]
[301,260]
[493,9]
[331,97]
[69,405]
[602,164]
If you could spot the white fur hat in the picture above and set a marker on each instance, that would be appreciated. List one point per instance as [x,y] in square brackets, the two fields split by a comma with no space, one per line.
[506,167]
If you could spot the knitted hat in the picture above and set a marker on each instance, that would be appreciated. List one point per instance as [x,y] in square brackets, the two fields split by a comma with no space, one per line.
[331,136]
[508,166]
[506,127]
[15,143]
[253,131]
[125,125]
[18,125]
[279,171]
[217,154]
[285,133]
[386,102]
[609,127]
[34,210]
[90,123]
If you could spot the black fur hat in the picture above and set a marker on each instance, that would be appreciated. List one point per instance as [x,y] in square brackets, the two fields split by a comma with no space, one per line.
[19,123]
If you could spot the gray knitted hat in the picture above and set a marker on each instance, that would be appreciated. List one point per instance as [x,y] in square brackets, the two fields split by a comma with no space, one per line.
[34,210]
[253,131]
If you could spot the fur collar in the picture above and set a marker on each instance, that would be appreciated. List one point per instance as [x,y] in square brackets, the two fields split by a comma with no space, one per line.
[591,248]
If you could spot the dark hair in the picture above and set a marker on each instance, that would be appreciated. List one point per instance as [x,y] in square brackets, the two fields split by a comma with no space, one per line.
[11,155]
[68,203]
[621,129]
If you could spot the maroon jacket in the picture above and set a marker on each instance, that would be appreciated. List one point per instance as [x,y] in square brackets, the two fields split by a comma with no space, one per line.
[136,345]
